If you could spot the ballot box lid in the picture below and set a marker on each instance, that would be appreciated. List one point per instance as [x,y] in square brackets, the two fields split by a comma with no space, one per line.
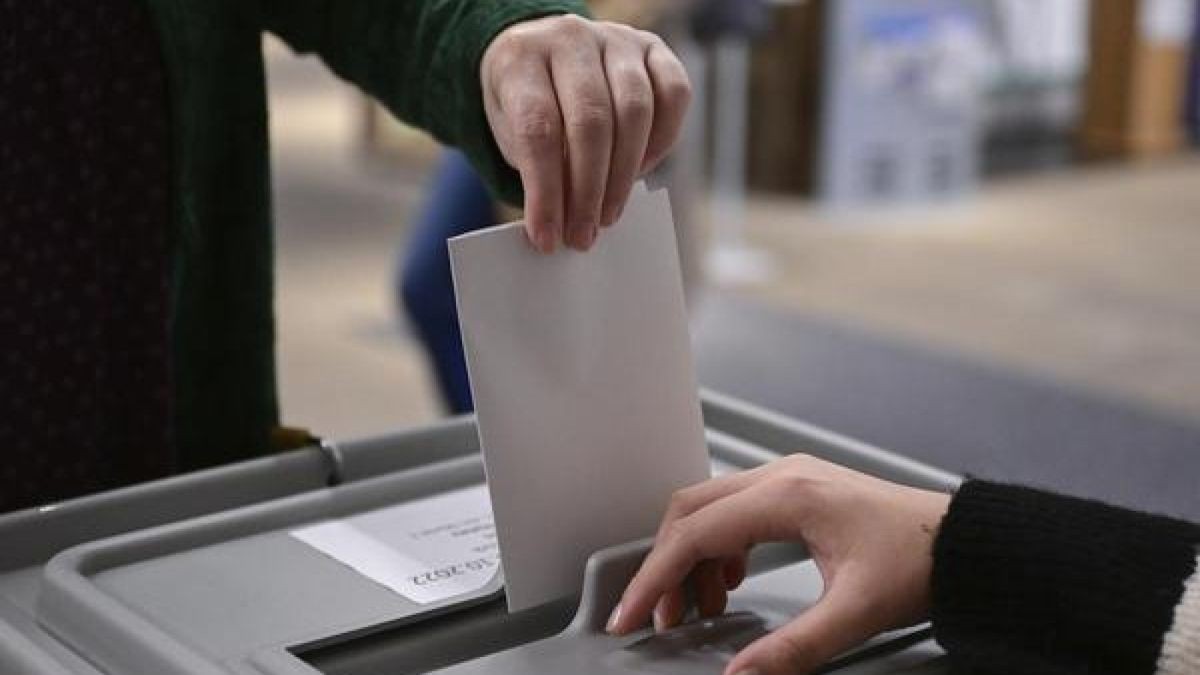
[224,588]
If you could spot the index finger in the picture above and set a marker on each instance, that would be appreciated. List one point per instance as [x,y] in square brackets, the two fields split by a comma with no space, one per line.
[686,501]
[536,138]
[723,528]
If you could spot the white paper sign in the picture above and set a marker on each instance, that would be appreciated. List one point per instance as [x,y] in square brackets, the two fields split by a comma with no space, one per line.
[581,370]
[426,550]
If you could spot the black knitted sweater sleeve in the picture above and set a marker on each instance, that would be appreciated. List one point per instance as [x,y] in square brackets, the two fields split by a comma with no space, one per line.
[1027,582]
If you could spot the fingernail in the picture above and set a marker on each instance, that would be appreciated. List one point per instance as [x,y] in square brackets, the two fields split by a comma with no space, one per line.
[614,619]
[660,618]
[589,238]
[581,238]
[614,216]
[546,241]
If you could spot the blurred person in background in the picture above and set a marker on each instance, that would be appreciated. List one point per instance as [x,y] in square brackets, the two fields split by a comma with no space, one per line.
[459,201]
[136,275]
[1015,580]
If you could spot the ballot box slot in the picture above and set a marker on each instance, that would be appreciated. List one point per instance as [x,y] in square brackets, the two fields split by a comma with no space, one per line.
[438,642]
[879,648]
[487,628]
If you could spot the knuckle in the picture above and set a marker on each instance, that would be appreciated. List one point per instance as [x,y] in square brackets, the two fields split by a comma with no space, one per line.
[677,91]
[635,106]
[799,460]
[636,95]
[795,649]
[570,27]
[568,30]
[650,38]
[680,502]
[533,103]
[628,73]
[514,46]
[499,58]
[517,42]
[679,534]
[621,31]
[591,117]
[537,127]
[793,483]
[537,123]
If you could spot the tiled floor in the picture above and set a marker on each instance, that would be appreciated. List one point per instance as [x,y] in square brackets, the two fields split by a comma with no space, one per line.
[1088,277]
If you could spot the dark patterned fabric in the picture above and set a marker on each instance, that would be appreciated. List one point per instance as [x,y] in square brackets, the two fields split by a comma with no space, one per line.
[84,250]
[1035,583]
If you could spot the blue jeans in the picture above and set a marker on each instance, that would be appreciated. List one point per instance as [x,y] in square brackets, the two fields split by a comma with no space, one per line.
[458,203]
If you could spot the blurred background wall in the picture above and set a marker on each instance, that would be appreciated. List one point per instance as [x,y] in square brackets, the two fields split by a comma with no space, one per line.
[967,230]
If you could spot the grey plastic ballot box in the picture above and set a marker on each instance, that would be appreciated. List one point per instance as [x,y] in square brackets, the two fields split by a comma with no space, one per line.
[197,574]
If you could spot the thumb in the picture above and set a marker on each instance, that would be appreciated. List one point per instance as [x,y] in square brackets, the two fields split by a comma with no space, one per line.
[836,623]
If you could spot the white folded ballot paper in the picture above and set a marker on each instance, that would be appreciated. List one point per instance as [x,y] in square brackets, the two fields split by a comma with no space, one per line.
[581,370]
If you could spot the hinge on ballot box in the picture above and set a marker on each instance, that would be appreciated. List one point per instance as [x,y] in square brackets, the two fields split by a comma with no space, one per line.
[334,458]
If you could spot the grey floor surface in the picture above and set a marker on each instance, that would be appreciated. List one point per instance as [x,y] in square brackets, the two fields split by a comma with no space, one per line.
[953,413]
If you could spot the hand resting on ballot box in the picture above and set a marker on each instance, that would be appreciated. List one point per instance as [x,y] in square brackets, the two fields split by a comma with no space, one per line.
[1015,580]
[872,541]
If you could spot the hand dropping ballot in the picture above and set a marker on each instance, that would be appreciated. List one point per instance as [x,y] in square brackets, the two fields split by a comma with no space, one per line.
[581,371]
[588,417]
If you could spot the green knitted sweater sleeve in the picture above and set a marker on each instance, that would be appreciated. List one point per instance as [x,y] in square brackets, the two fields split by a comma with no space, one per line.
[420,58]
